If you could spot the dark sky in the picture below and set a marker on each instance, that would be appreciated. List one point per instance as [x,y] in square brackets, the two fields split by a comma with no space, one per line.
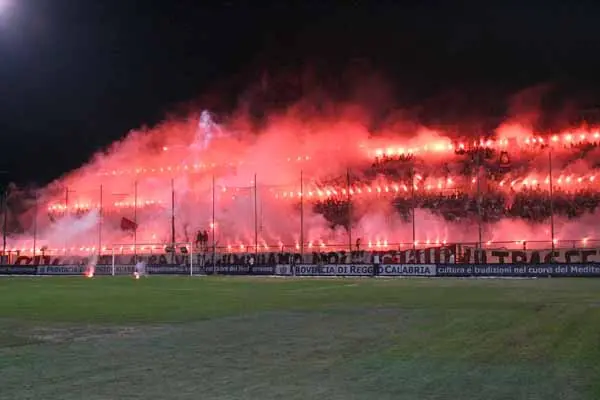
[76,75]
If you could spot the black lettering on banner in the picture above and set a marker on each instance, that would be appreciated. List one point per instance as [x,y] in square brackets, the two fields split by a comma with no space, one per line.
[345,257]
[390,257]
[571,256]
[403,259]
[585,255]
[434,255]
[342,257]
[480,256]
[426,257]
[465,257]
[501,255]
[535,258]
[407,270]
[519,257]
[365,270]
[333,258]
[551,256]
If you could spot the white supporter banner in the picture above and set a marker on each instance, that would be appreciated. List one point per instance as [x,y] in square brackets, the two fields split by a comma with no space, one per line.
[505,256]
[430,255]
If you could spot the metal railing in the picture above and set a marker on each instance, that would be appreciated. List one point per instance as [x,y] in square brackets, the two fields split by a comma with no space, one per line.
[188,252]
[129,206]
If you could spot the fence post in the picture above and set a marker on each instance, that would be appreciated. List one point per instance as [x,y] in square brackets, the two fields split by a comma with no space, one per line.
[255,219]
[135,199]
[214,248]
[551,197]
[35,213]
[479,215]
[4,223]
[301,215]
[349,210]
[113,260]
[66,214]
[173,216]
[100,211]
[191,260]
[414,217]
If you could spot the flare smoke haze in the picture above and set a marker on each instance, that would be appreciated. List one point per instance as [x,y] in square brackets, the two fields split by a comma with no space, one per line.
[138,178]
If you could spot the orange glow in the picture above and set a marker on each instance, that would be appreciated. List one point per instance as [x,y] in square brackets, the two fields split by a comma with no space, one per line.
[136,185]
[89,273]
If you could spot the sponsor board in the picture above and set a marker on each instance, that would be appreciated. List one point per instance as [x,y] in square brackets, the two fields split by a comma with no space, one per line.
[331,270]
[150,270]
[385,270]
[82,269]
[363,270]
[170,270]
[241,269]
[538,270]
[17,270]
[118,270]
[407,270]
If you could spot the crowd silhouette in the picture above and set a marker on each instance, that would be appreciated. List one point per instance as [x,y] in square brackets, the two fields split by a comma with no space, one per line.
[533,203]
[529,205]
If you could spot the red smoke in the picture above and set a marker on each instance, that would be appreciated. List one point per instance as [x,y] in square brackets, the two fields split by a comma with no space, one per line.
[135,179]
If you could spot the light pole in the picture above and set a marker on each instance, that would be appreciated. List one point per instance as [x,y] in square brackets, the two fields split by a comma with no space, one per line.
[4,217]
[551,197]
[4,221]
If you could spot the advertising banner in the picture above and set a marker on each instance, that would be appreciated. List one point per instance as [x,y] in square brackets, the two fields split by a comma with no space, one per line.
[383,270]
[149,269]
[510,270]
[241,269]
[17,270]
[363,270]
[82,270]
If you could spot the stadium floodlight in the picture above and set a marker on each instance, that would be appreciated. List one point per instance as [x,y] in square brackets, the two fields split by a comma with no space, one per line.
[5,8]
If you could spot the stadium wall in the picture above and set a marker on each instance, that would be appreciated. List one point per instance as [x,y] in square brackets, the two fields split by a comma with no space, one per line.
[326,270]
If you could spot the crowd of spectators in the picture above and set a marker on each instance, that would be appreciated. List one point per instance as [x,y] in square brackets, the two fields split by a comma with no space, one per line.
[490,205]
[335,210]
[532,205]
[528,205]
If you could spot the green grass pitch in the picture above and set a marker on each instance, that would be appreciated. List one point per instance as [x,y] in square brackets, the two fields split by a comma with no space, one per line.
[268,338]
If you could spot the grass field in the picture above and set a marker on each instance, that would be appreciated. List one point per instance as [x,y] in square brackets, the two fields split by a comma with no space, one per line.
[254,338]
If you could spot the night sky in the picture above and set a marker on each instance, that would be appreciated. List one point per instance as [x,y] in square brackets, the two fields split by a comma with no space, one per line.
[77,75]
